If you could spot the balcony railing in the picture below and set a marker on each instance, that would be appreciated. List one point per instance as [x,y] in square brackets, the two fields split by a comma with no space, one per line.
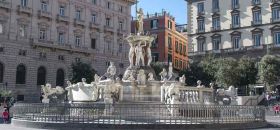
[274,20]
[61,18]
[5,5]
[79,22]
[108,28]
[201,13]
[94,25]
[218,28]
[235,26]
[253,3]
[275,1]
[215,10]
[200,30]
[24,9]
[44,14]
[254,23]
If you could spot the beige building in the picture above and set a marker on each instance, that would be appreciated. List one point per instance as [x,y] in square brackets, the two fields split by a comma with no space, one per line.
[40,39]
[227,27]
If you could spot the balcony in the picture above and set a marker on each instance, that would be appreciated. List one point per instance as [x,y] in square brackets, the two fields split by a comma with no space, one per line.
[24,9]
[44,14]
[79,22]
[201,13]
[233,26]
[253,3]
[255,23]
[108,29]
[237,6]
[213,29]
[61,18]
[37,43]
[274,20]
[275,1]
[94,25]
[200,31]
[121,31]
[5,5]
[215,10]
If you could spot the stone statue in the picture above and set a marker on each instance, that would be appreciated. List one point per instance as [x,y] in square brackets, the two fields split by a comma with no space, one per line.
[69,91]
[139,54]
[141,77]
[182,79]
[199,84]
[131,54]
[49,92]
[95,91]
[149,54]
[140,23]
[170,71]
[96,79]
[227,97]
[163,74]
[151,77]
[111,71]
[131,77]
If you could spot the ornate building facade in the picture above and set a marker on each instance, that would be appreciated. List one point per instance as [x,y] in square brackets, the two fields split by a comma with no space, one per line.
[40,39]
[170,45]
[234,27]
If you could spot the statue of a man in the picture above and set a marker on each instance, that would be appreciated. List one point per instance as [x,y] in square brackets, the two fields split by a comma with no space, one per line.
[163,74]
[149,54]
[131,54]
[112,70]
[69,89]
[182,79]
[140,23]
[140,54]
[170,71]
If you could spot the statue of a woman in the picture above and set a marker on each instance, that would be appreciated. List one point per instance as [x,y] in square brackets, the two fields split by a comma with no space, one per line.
[131,54]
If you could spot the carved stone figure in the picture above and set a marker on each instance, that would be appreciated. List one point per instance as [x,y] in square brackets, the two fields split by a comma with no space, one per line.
[163,74]
[131,77]
[131,54]
[69,91]
[227,97]
[199,84]
[95,91]
[49,92]
[149,54]
[111,71]
[151,77]
[141,77]
[139,54]
[170,71]
[182,79]
[139,23]
[96,79]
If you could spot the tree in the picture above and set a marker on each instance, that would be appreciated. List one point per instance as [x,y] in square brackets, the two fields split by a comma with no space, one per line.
[227,73]
[82,70]
[247,71]
[195,72]
[270,70]
[210,66]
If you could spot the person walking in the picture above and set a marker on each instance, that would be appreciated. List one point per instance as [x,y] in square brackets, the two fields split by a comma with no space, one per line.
[5,116]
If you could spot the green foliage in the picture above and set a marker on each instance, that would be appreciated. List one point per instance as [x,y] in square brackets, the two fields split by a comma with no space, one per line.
[209,65]
[82,70]
[270,70]
[4,93]
[195,72]
[247,71]
[227,73]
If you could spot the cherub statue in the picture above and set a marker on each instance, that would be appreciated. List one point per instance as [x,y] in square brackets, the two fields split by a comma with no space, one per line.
[111,71]
[141,77]
[182,79]
[151,77]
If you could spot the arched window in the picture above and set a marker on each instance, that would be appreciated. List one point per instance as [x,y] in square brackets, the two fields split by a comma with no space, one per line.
[41,76]
[21,73]
[1,72]
[60,77]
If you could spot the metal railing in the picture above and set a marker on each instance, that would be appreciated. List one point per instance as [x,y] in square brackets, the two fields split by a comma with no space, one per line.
[137,113]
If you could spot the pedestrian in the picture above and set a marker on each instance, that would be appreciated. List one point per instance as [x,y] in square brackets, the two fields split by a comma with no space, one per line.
[5,116]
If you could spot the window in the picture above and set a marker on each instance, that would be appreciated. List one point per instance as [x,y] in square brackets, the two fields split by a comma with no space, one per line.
[256,2]
[22,52]
[61,38]
[62,11]
[93,2]
[93,43]
[77,41]
[200,8]
[215,5]
[216,43]
[169,57]
[20,74]
[235,20]
[236,42]
[41,76]
[169,42]
[275,14]
[42,55]
[24,3]
[257,17]
[120,47]
[1,28]
[44,6]
[42,34]
[61,57]
[201,45]
[176,46]
[121,8]
[169,24]
[277,38]
[22,31]
[20,98]
[155,43]
[154,24]
[257,39]
[108,5]
[235,4]
[216,23]
[93,18]
[120,25]
[77,59]
[108,20]
[201,25]
[184,50]
[78,14]
[60,77]
[1,72]
[180,48]
[155,57]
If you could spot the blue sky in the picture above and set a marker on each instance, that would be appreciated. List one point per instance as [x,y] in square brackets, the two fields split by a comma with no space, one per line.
[177,8]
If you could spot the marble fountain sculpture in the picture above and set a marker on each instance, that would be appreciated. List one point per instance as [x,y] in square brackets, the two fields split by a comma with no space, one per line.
[138,82]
